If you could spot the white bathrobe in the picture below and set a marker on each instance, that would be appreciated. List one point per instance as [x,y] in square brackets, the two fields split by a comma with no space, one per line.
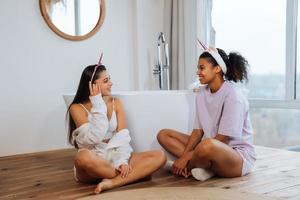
[91,134]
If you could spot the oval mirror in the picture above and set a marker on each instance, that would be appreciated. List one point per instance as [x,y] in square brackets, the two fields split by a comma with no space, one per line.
[73,19]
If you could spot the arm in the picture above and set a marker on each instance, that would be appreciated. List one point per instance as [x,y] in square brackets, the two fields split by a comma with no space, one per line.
[231,121]
[194,139]
[123,152]
[180,165]
[222,138]
[120,147]
[91,130]
[121,119]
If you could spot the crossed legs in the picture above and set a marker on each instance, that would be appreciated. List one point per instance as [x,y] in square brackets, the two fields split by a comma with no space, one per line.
[91,168]
[208,154]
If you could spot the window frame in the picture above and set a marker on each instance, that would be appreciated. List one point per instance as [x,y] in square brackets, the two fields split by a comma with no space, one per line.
[289,101]
[291,49]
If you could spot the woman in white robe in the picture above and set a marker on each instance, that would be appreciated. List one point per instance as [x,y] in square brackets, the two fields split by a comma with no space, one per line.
[97,128]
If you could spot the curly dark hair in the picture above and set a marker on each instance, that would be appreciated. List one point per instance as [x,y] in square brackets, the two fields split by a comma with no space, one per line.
[237,65]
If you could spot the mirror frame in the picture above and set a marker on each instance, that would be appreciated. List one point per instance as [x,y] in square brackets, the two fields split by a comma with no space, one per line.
[73,37]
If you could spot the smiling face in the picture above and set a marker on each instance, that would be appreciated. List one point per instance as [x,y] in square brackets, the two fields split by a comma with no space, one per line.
[105,83]
[206,71]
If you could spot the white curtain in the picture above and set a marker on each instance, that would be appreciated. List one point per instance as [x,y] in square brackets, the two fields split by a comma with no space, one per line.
[183,46]
[205,31]
[174,31]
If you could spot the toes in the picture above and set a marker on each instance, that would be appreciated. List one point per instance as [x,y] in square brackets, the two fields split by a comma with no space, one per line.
[105,184]
[98,189]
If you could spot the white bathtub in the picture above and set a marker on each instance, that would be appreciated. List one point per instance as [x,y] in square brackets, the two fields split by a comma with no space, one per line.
[149,111]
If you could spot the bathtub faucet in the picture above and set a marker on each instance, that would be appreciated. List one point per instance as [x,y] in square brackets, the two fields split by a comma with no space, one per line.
[162,68]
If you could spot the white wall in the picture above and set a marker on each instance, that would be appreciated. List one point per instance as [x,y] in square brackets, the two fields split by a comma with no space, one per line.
[37,67]
[149,24]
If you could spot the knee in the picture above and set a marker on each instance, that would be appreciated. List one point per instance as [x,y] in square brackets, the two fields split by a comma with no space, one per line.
[159,157]
[162,135]
[205,148]
[83,159]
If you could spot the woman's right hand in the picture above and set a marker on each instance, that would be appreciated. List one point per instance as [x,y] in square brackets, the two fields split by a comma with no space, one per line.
[95,89]
[124,170]
[180,165]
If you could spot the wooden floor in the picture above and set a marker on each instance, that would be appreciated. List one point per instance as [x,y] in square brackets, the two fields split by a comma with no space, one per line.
[49,175]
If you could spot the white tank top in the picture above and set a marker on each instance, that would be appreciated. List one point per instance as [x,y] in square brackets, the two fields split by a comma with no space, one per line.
[112,123]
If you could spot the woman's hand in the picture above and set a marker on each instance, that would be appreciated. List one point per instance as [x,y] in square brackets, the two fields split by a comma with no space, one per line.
[186,173]
[180,166]
[95,89]
[124,170]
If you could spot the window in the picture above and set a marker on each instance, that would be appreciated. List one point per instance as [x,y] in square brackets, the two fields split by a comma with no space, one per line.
[256,29]
[276,127]
[298,55]
[267,33]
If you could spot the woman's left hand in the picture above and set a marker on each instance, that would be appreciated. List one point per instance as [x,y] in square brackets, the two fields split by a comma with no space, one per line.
[95,89]
[124,170]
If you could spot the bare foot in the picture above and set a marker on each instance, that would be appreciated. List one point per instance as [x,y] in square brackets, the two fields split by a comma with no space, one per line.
[105,184]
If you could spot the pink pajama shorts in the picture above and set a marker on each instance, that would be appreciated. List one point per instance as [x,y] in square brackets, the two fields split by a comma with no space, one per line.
[248,161]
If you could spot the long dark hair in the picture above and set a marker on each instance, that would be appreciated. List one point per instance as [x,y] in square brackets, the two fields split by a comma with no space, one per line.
[83,93]
[237,65]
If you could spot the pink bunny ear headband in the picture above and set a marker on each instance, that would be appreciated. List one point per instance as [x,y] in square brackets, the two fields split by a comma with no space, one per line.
[96,67]
[215,54]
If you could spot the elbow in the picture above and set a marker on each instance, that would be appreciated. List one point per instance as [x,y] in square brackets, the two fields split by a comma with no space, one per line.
[223,138]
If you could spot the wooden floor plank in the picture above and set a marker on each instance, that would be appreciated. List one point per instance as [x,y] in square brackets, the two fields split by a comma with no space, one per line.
[287,192]
[49,175]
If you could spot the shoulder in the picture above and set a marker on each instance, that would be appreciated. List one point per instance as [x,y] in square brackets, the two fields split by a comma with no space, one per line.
[118,103]
[76,109]
[78,114]
[230,88]
[201,90]
[234,93]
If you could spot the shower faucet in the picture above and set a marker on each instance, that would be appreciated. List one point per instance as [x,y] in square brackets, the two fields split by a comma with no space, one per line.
[162,68]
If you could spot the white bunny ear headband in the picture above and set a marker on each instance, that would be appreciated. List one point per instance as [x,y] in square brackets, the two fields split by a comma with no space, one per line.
[215,54]
[96,67]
